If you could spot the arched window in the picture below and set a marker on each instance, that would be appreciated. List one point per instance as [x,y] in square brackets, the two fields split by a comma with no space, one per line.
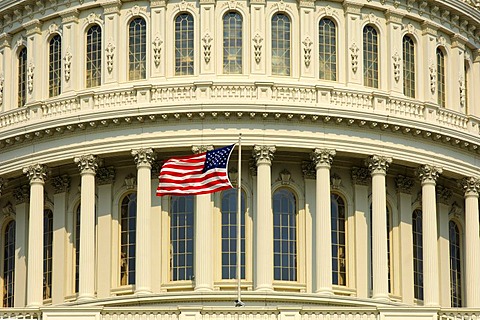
[339,248]
[408,66]
[181,237]
[455,266]
[77,246]
[441,78]
[281,41]
[327,49]
[184,45]
[55,66]
[47,253]
[128,228]
[94,56]
[284,235]
[417,254]
[232,43]
[370,57]
[9,264]
[22,77]
[229,234]
[137,49]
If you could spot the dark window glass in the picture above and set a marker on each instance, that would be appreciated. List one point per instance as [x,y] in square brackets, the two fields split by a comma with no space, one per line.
[55,67]
[327,49]
[184,45]
[285,235]
[455,266]
[281,39]
[370,57]
[9,265]
[137,49]
[22,77]
[181,237]
[94,56]
[128,228]
[47,253]
[417,254]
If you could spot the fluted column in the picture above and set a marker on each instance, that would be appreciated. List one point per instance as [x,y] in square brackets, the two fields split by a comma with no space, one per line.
[428,176]
[87,165]
[263,274]
[22,199]
[143,159]
[36,174]
[323,159]
[378,166]
[471,186]
[203,230]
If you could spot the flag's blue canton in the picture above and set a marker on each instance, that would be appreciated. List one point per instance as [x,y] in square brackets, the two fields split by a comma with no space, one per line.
[217,158]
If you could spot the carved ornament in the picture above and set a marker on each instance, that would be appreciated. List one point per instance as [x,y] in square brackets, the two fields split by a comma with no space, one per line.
[444,194]
[30,74]
[105,175]
[263,154]
[143,157]
[360,176]
[157,49]
[404,184]
[323,157]
[354,56]
[309,170]
[202,148]
[207,47]
[257,47]
[36,172]
[378,164]
[307,51]
[61,183]
[87,163]
[396,66]
[21,194]
[428,173]
[110,54]
[67,63]
[471,185]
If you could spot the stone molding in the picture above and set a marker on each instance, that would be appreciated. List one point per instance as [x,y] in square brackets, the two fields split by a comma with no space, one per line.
[202,148]
[21,194]
[309,170]
[404,184]
[444,194]
[263,154]
[87,163]
[378,164]
[428,173]
[360,176]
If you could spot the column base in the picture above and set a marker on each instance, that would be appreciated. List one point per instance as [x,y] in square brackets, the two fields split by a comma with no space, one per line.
[34,305]
[203,289]
[85,298]
[264,288]
[143,292]
[381,297]
[325,292]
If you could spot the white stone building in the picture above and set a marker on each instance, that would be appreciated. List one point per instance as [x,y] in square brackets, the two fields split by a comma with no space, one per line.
[360,168]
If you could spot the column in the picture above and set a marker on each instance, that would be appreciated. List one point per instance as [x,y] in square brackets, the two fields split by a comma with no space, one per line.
[263,219]
[156,231]
[444,209]
[104,179]
[323,159]
[143,159]
[22,199]
[471,186]
[361,179]
[378,166]
[404,195]
[310,176]
[428,175]
[203,265]
[61,185]
[87,164]
[37,174]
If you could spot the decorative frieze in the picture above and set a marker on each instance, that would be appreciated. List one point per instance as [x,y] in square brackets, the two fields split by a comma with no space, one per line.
[202,148]
[444,194]
[263,154]
[378,164]
[322,157]
[471,185]
[404,184]
[36,172]
[309,170]
[87,163]
[428,173]
[360,176]
[61,183]
[21,194]
[143,157]
[105,175]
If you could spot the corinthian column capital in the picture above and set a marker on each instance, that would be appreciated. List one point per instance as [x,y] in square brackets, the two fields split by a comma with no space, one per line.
[322,157]
[202,148]
[404,184]
[378,164]
[87,163]
[471,185]
[263,154]
[428,173]
[143,157]
[36,173]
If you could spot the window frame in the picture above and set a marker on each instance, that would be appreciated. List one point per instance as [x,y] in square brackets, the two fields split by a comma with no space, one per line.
[336,47]
[441,76]
[100,59]
[413,86]
[289,67]
[193,49]
[145,47]
[241,47]
[460,272]
[22,76]
[375,61]
[127,197]
[5,225]
[51,75]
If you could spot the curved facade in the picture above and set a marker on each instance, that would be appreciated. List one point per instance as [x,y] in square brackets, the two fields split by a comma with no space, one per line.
[360,161]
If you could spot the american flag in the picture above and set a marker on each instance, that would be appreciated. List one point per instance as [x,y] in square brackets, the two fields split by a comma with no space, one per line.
[197,174]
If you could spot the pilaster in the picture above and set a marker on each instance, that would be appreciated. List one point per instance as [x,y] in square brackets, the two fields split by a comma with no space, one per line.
[263,219]
[143,159]
[22,199]
[6,71]
[70,53]
[203,230]
[361,180]
[428,63]
[354,39]
[378,166]
[207,37]
[308,50]
[323,159]
[111,12]
[310,175]
[444,196]
[258,37]
[35,84]
[61,185]
[456,82]
[36,174]
[157,21]
[471,187]
[88,165]
[394,52]
[428,175]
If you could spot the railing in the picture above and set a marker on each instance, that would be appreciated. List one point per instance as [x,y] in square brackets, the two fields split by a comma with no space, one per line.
[20,314]
[458,315]
[296,97]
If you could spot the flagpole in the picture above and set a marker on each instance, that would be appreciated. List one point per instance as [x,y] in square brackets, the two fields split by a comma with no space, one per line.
[238,302]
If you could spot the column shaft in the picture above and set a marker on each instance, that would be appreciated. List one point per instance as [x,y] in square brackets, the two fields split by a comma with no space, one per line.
[472,251]
[203,243]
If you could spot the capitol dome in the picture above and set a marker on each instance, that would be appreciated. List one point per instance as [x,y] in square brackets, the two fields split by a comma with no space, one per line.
[360,180]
